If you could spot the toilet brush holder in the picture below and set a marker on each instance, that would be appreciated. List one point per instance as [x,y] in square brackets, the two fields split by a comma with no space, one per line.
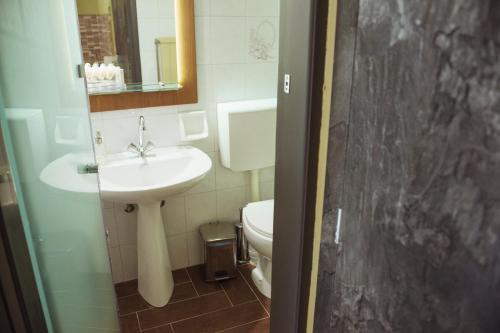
[242,253]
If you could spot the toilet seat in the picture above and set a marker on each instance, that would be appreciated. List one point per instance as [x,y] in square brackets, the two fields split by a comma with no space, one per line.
[259,217]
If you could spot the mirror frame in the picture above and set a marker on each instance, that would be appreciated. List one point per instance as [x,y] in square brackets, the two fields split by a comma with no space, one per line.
[186,69]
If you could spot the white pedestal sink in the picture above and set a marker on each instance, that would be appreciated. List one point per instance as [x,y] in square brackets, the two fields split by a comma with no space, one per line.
[146,182]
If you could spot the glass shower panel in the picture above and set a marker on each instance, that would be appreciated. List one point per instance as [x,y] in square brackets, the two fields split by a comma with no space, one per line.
[47,129]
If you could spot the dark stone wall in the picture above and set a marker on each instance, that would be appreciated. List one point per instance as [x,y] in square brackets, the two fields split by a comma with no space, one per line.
[420,236]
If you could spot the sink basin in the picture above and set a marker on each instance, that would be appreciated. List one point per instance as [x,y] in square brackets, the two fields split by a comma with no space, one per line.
[130,179]
[62,174]
[147,181]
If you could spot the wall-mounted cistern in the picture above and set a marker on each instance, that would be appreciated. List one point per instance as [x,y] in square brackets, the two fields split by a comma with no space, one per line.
[142,149]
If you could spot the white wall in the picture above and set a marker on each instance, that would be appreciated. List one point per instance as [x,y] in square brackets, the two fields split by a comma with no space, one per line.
[233,64]
[155,18]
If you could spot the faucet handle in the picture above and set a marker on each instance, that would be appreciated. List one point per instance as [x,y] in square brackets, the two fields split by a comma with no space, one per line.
[149,146]
[132,147]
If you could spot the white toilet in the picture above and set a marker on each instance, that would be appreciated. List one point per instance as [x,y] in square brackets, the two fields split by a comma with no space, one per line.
[247,141]
[258,229]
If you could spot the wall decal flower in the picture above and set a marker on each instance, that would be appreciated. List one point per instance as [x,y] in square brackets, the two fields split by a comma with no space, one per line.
[262,40]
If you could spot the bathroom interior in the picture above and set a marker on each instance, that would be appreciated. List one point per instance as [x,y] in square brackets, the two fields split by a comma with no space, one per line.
[147,171]
[249,166]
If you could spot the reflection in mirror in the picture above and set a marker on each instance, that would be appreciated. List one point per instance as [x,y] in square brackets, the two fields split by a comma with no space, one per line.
[128,45]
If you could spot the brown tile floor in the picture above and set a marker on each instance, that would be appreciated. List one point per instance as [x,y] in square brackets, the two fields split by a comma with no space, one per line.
[233,306]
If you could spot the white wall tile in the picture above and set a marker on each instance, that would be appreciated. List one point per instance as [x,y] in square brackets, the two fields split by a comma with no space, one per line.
[201,7]
[116,264]
[166,27]
[215,133]
[267,174]
[148,31]
[166,9]
[262,7]
[195,249]
[229,82]
[108,216]
[229,202]
[227,40]
[226,178]
[205,87]
[205,92]
[267,190]
[261,80]
[147,8]
[202,32]
[154,20]
[174,215]
[227,7]
[148,66]
[200,209]
[262,39]
[129,261]
[117,134]
[126,224]
[178,251]
[162,129]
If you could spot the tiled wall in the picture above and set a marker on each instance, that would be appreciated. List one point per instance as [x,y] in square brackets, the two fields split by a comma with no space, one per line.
[155,18]
[236,60]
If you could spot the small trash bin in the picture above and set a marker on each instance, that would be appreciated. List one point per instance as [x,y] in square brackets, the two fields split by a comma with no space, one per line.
[219,240]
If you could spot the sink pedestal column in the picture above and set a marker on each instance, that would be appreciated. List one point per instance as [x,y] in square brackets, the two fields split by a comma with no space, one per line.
[156,282]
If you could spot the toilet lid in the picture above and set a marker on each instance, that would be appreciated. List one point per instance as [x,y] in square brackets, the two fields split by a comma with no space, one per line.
[259,216]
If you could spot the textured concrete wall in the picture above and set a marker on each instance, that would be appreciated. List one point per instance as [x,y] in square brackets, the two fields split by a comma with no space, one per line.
[420,236]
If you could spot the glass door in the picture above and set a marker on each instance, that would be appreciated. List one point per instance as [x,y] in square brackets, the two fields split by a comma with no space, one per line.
[46,127]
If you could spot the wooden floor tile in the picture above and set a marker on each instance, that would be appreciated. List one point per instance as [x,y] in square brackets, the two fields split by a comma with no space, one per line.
[182,310]
[246,270]
[197,276]
[261,326]
[130,304]
[237,290]
[180,276]
[161,329]
[182,292]
[126,288]
[129,324]
[197,306]
[222,319]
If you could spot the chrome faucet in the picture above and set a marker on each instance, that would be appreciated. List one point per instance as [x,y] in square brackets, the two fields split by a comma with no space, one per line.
[142,149]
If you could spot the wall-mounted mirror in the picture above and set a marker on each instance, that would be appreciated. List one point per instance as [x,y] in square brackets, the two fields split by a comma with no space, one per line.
[134,47]
[128,45]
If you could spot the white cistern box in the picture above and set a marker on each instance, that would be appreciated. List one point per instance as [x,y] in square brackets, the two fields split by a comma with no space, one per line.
[247,134]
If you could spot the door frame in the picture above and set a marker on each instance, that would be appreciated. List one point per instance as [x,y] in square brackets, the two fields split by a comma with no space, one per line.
[303,29]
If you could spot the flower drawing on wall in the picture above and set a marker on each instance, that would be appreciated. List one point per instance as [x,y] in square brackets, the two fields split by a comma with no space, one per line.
[262,40]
